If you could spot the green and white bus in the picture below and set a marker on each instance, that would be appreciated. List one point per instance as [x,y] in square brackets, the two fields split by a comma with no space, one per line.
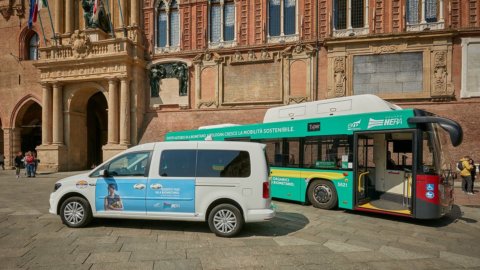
[358,153]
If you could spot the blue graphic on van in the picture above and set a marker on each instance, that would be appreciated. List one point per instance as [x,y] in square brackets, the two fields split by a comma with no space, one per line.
[171,196]
[122,195]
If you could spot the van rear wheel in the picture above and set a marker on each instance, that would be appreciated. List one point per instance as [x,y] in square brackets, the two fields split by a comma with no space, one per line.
[322,194]
[76,212]
[225,220]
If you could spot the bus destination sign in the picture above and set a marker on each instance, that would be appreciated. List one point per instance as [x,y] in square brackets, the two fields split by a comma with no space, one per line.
[313,126]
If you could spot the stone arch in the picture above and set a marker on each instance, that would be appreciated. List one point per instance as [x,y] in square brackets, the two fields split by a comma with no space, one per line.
[79,128]
[26,124]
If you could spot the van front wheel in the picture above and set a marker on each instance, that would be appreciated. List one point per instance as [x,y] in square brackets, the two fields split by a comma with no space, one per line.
[225,220]
[75,212]
[322,194]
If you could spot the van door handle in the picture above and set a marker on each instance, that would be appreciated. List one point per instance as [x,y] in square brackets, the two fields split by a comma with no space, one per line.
[139,186]
[155,186]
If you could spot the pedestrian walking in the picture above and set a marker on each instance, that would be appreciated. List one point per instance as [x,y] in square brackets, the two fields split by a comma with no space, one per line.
[18,164]
[466,174]
[2,161]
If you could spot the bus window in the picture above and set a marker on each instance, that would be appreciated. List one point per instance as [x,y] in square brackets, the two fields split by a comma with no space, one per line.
[328,152]
[283,152]
[399,155]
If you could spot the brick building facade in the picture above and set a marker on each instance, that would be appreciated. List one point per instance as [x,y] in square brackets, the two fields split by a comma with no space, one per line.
[188,63]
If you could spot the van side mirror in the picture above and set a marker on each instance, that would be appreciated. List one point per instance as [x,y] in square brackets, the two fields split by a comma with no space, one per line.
[103,173]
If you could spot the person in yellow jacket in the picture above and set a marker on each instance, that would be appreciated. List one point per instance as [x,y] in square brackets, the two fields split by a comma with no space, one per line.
[466,175]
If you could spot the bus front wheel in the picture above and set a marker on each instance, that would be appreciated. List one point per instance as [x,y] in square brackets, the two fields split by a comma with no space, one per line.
[322,194]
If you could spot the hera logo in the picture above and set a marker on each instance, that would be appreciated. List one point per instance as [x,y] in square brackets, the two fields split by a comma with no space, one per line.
[384,122]
[354,125]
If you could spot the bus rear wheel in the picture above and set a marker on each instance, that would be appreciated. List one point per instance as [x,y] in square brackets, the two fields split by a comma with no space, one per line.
[322,194]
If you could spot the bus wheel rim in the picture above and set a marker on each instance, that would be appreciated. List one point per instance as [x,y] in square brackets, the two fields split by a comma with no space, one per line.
[322,193]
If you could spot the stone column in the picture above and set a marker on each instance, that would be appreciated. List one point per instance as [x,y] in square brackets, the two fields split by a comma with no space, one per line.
[123,14]
[58,16]
[57,114]
[422,14]
[69,6]
[134,12]
[113,111]
[46,114]
[125,111]
[349,14]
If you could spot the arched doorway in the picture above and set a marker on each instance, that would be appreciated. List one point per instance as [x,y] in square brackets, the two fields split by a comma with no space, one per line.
[86,124]
[97,128]
[28,125]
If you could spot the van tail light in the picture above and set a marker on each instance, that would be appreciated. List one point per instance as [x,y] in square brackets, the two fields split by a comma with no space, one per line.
[266,190]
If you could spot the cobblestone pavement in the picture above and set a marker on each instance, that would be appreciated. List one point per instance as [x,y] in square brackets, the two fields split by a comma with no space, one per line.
[300,237]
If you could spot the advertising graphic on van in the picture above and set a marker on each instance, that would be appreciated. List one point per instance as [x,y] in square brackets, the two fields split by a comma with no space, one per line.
[171,196]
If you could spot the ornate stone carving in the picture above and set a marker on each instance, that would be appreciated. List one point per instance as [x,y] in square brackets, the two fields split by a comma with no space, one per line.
[440,85]
[81,45]
[9,7]
[384,49]
[339,76]
[207,57]
[251,57]
[297,49]
[177,70]
[296,100]
[207,104]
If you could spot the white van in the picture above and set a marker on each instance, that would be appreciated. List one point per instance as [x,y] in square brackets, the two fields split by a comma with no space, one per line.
[223,183]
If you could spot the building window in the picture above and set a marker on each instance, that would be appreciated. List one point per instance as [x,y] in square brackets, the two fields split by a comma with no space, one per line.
[424,15]
[282,18]
[222,22]
[168,26]
[33,47]
[350,17]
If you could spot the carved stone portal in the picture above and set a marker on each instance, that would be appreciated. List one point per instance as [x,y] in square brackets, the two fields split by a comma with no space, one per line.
[176,70]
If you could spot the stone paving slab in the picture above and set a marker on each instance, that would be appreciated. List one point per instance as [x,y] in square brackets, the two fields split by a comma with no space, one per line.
[300,237]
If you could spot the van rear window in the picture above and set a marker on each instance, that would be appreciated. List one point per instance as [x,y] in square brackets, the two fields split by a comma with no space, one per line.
[223,163]
[205,163]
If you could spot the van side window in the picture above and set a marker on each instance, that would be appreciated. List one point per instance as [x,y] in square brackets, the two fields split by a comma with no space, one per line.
[131,164]
[178,163]
[223,163]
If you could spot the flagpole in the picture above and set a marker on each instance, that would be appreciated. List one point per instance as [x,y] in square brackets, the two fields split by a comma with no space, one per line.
[121,17]
[41,25]
[51,22]
[110,19]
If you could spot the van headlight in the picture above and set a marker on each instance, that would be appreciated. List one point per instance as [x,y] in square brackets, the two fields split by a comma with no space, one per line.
[57,186]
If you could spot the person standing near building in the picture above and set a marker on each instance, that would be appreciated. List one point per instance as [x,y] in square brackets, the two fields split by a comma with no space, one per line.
[30,164]
[2,161]
[18,164]
[466,173]
[473,172]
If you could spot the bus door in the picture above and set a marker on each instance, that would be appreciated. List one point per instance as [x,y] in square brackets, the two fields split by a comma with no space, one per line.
[383,172]
[285,174]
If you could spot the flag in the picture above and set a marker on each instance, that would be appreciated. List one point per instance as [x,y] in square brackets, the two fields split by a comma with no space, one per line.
[95,10]
[42,4]
[95,7]
[33,14]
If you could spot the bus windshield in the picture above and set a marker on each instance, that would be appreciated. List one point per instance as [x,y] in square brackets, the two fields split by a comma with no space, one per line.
[433,159]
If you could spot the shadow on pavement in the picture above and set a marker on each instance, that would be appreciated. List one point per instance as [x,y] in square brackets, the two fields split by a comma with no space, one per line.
[284,223]
[455,215]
